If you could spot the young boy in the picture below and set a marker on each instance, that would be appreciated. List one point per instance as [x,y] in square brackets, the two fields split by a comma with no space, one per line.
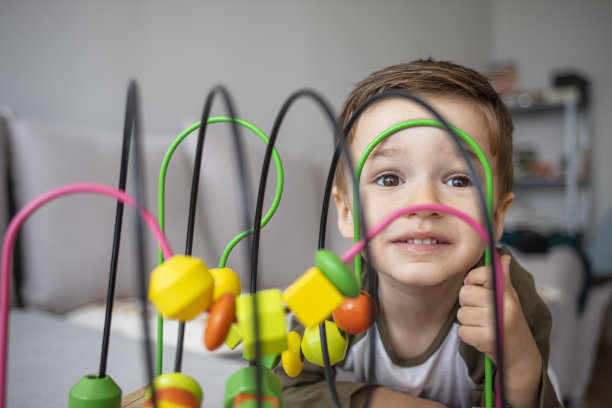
[436,308]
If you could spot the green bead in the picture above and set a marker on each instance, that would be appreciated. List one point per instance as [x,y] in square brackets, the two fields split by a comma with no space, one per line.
[337,272]
[244,381]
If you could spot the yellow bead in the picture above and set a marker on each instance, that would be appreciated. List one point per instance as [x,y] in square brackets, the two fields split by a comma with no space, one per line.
[181,288]
[226,280]
[312,297]
[271,319]
[293,360]
[234,337]
[337,343]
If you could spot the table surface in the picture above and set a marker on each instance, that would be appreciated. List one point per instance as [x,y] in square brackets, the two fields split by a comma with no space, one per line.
[48,356]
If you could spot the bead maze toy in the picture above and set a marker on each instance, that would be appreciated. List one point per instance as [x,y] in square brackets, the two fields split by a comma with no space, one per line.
[182,286]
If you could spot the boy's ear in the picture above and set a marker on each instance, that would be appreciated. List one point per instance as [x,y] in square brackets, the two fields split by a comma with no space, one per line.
[499,215]
[345,213]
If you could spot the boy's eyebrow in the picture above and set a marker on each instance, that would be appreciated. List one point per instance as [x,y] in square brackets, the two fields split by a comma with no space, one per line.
[388,151]
[384,151]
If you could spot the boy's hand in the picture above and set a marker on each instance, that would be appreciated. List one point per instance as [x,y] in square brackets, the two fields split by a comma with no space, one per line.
[522,360]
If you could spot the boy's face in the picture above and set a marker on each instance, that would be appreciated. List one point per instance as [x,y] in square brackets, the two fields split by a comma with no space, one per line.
[416,166]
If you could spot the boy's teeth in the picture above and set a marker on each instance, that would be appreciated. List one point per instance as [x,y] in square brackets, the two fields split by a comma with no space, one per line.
[426,241]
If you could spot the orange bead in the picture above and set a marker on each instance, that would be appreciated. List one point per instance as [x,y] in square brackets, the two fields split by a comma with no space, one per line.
[220,318]
[355,315]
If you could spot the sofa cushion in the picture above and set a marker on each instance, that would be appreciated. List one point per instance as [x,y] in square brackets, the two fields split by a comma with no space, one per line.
[67,243]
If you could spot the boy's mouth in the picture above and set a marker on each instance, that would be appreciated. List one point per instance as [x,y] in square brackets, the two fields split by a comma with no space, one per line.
[426,241]
[421,239]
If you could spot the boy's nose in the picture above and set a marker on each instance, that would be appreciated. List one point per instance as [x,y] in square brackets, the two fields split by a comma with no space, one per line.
[422,194]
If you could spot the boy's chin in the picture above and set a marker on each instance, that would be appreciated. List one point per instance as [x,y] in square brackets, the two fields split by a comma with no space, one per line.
[419,276]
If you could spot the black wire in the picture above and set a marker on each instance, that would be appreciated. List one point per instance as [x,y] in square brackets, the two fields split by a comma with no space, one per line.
[133,123]
[327,366]
[481,196]
[195,182]
[110,297]
[322,230]
[340,141]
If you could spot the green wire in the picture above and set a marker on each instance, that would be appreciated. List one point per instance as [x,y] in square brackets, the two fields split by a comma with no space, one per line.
[161,204]
[489,199]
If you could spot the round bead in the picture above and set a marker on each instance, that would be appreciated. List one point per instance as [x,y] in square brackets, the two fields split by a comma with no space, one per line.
[337,343]
[220,318]
[176,388]
[226,280]
[181,288]
[292,358]
[355,315]
[337,272]
[173,398]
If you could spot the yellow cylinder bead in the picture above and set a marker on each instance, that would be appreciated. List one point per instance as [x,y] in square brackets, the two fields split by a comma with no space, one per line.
[226,280]
[292,358]
[181,288]
[337,344]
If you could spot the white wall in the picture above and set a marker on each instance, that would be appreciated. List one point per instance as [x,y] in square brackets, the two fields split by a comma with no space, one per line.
[70,61]
[545,35]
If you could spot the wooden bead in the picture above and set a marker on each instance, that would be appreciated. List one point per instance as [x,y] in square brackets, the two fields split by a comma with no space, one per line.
[220,318]
[226,280]
[181,288]
[175,390]
[337,344]
[292,358]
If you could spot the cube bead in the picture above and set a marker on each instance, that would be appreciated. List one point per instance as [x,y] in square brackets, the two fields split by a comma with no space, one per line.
[271,322]
[312,297]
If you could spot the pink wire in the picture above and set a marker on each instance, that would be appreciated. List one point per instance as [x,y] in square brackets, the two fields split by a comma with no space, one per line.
[9,242]
[499,278]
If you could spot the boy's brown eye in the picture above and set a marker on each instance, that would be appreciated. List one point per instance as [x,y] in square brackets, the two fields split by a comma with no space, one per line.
[459,181]
[388,180]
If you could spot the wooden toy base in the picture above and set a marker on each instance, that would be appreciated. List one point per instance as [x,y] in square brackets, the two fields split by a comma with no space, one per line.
[135,399]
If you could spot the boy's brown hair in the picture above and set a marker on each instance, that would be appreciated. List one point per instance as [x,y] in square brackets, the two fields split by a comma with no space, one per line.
[441,78]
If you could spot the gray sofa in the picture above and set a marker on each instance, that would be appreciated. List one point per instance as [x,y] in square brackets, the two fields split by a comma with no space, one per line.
[64,248]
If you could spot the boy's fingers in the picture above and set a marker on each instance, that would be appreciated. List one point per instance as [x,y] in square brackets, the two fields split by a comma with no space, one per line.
[475,295]
[474,316]
[480,338]
[479,276]
[482,276]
